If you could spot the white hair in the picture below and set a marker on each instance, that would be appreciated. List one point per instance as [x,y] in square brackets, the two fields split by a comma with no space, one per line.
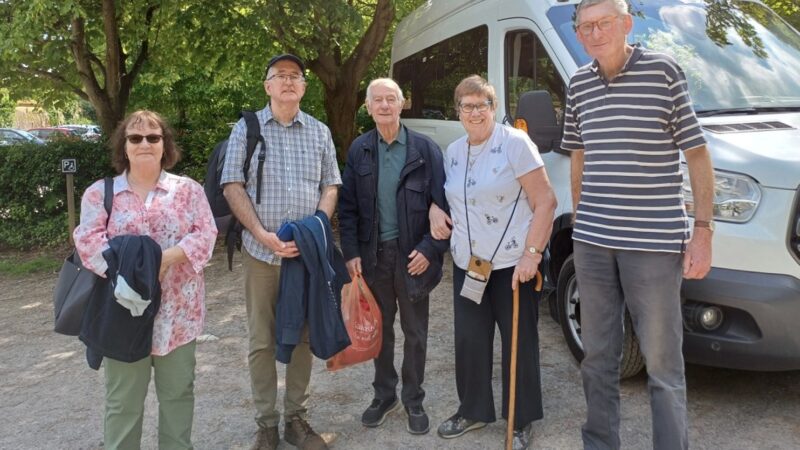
[620,5]
[388,82]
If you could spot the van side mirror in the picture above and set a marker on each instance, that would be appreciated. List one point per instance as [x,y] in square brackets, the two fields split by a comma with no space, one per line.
[536,108]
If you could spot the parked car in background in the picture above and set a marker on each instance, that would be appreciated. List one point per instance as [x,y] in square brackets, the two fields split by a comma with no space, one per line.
[51,133]
[86,132]
[12,136]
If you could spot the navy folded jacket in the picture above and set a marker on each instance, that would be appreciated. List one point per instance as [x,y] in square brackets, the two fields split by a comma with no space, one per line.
[109,329]
[311,291]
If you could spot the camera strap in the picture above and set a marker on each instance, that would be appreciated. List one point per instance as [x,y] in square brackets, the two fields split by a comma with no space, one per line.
[466,209]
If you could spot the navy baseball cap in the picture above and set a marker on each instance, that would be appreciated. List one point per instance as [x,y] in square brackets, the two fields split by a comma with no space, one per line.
[285,57]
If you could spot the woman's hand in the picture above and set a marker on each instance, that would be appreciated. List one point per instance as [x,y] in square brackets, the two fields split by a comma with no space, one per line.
[418,263]
[440,222]
[526,269]
[169,257]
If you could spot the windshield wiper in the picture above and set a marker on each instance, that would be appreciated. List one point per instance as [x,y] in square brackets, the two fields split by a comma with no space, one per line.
[748,110]
[720,112]
[778,108]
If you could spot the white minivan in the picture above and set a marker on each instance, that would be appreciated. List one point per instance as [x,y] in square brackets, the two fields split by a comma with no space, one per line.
[742,62]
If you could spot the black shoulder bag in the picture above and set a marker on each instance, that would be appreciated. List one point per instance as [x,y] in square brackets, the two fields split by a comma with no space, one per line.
[76,283]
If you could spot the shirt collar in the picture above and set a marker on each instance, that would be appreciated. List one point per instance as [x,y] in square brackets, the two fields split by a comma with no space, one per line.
[121,182]
[402,136]
[635,55]
[300,117]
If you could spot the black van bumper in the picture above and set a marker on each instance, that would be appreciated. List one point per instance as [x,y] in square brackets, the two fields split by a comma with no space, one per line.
[760,329]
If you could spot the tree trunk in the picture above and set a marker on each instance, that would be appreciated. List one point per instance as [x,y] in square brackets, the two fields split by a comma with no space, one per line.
[341,106]
[110,99]
[340,79]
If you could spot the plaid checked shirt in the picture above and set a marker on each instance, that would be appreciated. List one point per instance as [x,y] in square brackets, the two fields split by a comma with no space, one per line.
[300,161]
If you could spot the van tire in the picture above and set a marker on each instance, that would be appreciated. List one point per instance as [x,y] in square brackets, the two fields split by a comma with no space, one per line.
[569,317]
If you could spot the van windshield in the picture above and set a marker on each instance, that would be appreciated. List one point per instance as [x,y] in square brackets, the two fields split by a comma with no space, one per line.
[737,55]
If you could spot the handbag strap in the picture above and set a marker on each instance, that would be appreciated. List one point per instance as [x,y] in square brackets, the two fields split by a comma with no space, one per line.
[108,198]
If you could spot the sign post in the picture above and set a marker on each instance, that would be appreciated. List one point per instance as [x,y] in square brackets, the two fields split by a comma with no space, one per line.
[69,166]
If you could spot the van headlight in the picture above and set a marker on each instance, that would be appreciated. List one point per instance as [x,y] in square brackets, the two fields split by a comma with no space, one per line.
[736,197]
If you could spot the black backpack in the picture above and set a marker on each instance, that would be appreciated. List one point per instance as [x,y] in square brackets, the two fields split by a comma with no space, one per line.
[226,222]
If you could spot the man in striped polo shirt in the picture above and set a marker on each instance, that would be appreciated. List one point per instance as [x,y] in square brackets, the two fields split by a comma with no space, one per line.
[627,119]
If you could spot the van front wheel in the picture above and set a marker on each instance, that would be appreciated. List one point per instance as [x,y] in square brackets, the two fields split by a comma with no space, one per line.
[569,316]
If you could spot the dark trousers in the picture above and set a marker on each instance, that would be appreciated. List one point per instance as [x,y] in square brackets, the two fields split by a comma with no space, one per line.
[388,285]
[474,342]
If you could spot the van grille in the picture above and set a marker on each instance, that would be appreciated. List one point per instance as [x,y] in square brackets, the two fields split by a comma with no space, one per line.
[794,227]
[747,127]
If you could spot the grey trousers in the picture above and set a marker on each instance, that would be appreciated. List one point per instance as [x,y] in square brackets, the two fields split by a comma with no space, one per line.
[648,283]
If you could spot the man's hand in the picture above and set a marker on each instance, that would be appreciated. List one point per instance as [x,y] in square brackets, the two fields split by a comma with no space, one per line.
[354,267]
[526,269]
[282,249]
[419,263]
[440,222]
[697,259]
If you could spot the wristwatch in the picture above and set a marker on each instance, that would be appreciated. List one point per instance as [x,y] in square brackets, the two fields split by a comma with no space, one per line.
[708,224]
[532,250]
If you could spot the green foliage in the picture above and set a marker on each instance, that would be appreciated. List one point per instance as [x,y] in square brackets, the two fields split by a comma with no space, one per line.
[788,9]
[33,198]
[197,145]
[6,109]
[17,266]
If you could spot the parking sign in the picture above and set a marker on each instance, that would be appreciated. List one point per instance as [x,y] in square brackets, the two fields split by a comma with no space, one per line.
[69,165]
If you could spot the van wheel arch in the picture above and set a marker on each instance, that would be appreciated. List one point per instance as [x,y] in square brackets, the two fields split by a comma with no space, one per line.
[568,302]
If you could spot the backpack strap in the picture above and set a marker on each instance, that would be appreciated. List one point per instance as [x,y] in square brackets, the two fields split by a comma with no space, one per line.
[254,137]
[108,198]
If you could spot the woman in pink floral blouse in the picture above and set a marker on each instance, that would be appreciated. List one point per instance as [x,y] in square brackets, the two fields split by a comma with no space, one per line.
[174,212]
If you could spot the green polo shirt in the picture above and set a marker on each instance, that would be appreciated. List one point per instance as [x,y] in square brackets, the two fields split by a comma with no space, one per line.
[391,159]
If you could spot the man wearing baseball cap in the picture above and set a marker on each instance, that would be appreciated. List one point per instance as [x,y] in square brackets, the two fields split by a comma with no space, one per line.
[300,176]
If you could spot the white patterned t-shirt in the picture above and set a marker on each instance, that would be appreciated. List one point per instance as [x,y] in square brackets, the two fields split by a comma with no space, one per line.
[492,186]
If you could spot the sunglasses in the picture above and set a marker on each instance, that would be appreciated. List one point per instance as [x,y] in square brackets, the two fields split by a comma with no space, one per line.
[137,138]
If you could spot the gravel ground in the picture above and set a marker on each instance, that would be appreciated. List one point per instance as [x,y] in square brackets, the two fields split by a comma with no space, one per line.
[50,399]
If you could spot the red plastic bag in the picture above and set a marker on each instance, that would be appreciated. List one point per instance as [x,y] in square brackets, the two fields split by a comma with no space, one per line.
[362,318]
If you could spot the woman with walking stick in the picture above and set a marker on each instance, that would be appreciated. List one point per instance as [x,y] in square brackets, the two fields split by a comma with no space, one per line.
[501,214]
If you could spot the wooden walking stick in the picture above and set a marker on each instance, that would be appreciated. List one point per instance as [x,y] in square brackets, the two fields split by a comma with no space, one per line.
[512,383]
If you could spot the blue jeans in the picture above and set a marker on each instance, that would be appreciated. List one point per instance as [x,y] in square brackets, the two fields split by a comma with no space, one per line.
[648,283]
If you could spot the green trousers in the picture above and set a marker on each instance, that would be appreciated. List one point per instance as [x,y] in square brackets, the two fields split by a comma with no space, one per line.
[126,389]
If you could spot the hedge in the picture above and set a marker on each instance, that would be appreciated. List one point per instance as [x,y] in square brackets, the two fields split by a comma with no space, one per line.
[33,205]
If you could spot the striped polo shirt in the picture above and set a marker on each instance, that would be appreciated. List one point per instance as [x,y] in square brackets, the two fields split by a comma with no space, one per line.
[632,129]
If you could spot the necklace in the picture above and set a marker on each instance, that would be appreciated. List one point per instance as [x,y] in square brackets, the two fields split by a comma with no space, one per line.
[473,156]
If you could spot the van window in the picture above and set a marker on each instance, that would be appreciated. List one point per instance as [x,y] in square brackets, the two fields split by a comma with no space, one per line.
[736,55]
[429,77]
[529,68]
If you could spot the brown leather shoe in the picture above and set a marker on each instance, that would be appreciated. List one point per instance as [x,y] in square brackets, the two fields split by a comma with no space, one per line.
[299,433]
[266,439]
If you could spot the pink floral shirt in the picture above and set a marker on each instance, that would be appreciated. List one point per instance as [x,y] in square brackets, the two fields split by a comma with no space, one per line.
[176,212]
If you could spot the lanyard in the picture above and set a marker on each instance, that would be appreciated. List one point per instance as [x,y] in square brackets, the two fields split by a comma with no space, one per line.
[466,210]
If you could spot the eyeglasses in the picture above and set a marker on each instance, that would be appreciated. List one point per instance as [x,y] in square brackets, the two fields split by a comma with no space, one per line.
[467,108]
[137,138]
[604,24]
[293,78]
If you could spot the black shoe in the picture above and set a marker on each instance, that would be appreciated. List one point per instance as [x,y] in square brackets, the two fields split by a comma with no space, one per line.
[457,425]
[522,437]
[377,412]
[418,422]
